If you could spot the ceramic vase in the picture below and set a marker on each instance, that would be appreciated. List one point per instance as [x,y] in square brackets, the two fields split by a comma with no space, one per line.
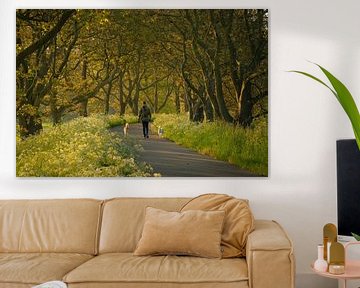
[320,264]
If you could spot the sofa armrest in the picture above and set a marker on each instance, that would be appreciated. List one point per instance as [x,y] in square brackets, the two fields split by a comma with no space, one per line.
[269,256]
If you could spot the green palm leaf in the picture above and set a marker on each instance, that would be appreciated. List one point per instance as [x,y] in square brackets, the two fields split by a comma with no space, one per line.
[344,97]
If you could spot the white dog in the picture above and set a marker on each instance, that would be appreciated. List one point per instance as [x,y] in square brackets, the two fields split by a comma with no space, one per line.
[126,129]
[160,132]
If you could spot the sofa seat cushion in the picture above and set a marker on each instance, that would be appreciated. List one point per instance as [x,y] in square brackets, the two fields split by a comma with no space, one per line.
[127,268]
[36,268]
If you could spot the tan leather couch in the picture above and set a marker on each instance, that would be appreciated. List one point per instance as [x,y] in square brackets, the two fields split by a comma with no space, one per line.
[89,243]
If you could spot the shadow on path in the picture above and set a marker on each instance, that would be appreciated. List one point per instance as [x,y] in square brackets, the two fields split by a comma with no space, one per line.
[172,160]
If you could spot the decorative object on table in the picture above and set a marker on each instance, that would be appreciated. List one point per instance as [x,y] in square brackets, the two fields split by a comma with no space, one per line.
[329,236]
[320,264]
[344,97]
[337,258]
[52,284]
[336,269]
[350,270]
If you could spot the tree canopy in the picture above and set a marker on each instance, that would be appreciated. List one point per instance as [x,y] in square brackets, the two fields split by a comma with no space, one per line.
[212,64]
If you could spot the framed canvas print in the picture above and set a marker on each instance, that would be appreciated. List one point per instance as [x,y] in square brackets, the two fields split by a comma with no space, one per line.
[142,93]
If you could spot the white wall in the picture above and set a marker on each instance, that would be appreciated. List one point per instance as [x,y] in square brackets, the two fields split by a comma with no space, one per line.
[305,120]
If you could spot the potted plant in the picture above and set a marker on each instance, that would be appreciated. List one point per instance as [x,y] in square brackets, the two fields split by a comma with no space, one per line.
[346,100]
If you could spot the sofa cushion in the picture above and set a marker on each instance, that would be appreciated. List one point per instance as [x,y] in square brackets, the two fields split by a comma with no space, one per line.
[123,220]
[193,232]
[126,268]
[36,268]
[238,223]
[63,226]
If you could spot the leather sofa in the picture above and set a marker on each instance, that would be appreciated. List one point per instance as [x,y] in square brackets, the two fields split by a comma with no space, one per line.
[89,243]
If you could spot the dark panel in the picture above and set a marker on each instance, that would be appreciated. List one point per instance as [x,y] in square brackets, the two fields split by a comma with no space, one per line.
[348,187]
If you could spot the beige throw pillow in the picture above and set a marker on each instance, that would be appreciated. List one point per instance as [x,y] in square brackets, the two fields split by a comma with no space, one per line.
[194,232]
[239,220]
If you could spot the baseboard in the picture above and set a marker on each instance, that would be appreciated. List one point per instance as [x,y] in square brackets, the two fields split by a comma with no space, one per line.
[310,280]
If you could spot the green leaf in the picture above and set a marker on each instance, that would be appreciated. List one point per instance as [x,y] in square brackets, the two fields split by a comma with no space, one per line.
[357,237]
[347,102]
[344,97]
[316,79]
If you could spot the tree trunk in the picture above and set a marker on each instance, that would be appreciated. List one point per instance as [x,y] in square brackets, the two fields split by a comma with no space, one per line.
[210,90]
[56,117]
[122,103]
[107,98]
[84,103]
[246,106]
[215,59]
[29,125]
[188,102]
[135,103]
[209,111]
[198,114]
[177,100]
[84,108]
[208,78]
[219,93]
[156,99]
[55,112]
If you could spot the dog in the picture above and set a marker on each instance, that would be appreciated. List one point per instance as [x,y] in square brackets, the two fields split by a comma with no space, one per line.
[126,129]
[160,132]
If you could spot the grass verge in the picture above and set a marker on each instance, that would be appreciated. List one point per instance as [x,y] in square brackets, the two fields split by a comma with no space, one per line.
[116,120]
[246,148]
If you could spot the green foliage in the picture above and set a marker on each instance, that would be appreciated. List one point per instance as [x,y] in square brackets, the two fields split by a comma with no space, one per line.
[344,97]
[246,148]
[357,237]
[79,148]
[115,120]
[109,61]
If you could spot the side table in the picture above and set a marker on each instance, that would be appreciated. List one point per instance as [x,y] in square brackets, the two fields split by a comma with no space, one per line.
[352,269]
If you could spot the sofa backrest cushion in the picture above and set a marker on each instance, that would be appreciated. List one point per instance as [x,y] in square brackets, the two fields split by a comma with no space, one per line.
[123,220]
[238,224]
[66,226]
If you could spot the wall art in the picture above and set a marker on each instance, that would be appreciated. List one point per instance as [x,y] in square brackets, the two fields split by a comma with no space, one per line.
[142,93]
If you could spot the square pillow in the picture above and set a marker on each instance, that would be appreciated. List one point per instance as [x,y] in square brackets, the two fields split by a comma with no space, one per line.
[193,232]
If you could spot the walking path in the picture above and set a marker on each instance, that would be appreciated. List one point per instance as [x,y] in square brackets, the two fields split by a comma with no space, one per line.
[172,160]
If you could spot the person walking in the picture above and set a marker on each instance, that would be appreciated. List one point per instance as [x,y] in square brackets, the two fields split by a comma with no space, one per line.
[145,117]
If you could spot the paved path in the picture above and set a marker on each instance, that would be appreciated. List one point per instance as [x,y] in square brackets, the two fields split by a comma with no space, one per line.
[172,160]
